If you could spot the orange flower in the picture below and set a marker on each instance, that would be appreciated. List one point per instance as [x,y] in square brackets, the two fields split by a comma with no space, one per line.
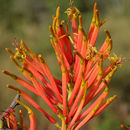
[81,65]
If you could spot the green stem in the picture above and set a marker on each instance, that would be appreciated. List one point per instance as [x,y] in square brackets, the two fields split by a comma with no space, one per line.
[63,124]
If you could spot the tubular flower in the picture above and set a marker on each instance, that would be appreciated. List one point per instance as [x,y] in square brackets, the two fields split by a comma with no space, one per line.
[84,78]
[8,117]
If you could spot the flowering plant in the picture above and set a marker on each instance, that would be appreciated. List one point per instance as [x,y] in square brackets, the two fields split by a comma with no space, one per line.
[84,79]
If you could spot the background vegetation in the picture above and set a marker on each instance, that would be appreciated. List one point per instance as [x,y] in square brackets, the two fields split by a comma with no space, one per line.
[29,20]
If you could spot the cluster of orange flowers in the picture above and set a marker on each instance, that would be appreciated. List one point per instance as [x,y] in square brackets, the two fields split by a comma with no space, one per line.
[84,79]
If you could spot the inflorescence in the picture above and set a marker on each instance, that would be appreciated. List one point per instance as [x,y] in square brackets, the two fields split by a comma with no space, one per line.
[84,78]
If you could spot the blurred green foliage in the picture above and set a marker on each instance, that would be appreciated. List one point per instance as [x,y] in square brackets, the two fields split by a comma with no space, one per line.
[29,20]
